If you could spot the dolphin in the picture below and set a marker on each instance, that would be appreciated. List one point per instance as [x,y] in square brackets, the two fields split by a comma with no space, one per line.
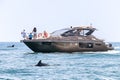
[41,64]
[11,46]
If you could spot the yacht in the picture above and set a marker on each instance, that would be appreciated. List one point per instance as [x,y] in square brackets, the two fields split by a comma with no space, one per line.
[73,39]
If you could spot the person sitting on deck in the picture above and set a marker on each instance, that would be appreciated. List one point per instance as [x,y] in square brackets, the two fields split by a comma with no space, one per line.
[30,36]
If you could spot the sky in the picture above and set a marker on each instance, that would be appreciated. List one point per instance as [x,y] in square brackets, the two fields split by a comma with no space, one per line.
[51,15]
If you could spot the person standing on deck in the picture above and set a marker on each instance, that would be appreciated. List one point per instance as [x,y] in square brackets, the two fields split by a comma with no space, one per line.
[45,34]
[23,33]
[34,32]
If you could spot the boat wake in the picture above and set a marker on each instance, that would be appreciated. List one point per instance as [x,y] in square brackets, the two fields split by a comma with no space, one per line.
[102,52]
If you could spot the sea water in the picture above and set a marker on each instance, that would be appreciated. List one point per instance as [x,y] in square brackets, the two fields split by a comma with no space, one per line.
[18,63]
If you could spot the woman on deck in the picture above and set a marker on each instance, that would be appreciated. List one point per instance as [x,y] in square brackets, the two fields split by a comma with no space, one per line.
[34,32]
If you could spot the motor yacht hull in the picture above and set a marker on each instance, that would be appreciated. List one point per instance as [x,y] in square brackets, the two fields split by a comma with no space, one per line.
[65,46]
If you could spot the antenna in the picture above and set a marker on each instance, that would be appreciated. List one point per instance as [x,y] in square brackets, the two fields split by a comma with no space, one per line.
[91,25]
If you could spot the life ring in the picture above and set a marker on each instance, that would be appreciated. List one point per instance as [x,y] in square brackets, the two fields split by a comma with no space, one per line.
[39,35]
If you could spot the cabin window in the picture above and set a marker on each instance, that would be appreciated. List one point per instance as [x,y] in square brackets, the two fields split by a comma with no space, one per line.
[89,45]
[82,45]
[86,45]
[98,44]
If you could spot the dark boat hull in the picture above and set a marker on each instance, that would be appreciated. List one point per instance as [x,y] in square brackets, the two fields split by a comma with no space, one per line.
[65,46]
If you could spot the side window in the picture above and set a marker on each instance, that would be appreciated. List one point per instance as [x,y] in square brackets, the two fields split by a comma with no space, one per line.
[89,45]
[98,44]
[86,45]
[82,45]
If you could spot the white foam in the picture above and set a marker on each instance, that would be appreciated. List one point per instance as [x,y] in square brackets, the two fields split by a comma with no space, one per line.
[105,78]
[117,47]
[112,52]
[104,52]
[9,77]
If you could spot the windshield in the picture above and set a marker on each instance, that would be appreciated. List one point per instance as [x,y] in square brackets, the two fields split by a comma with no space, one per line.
[59,32]
[77,32]
[73,32]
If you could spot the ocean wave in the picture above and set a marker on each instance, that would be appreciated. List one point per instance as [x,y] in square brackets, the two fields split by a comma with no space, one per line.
[104,78]
[9,78]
